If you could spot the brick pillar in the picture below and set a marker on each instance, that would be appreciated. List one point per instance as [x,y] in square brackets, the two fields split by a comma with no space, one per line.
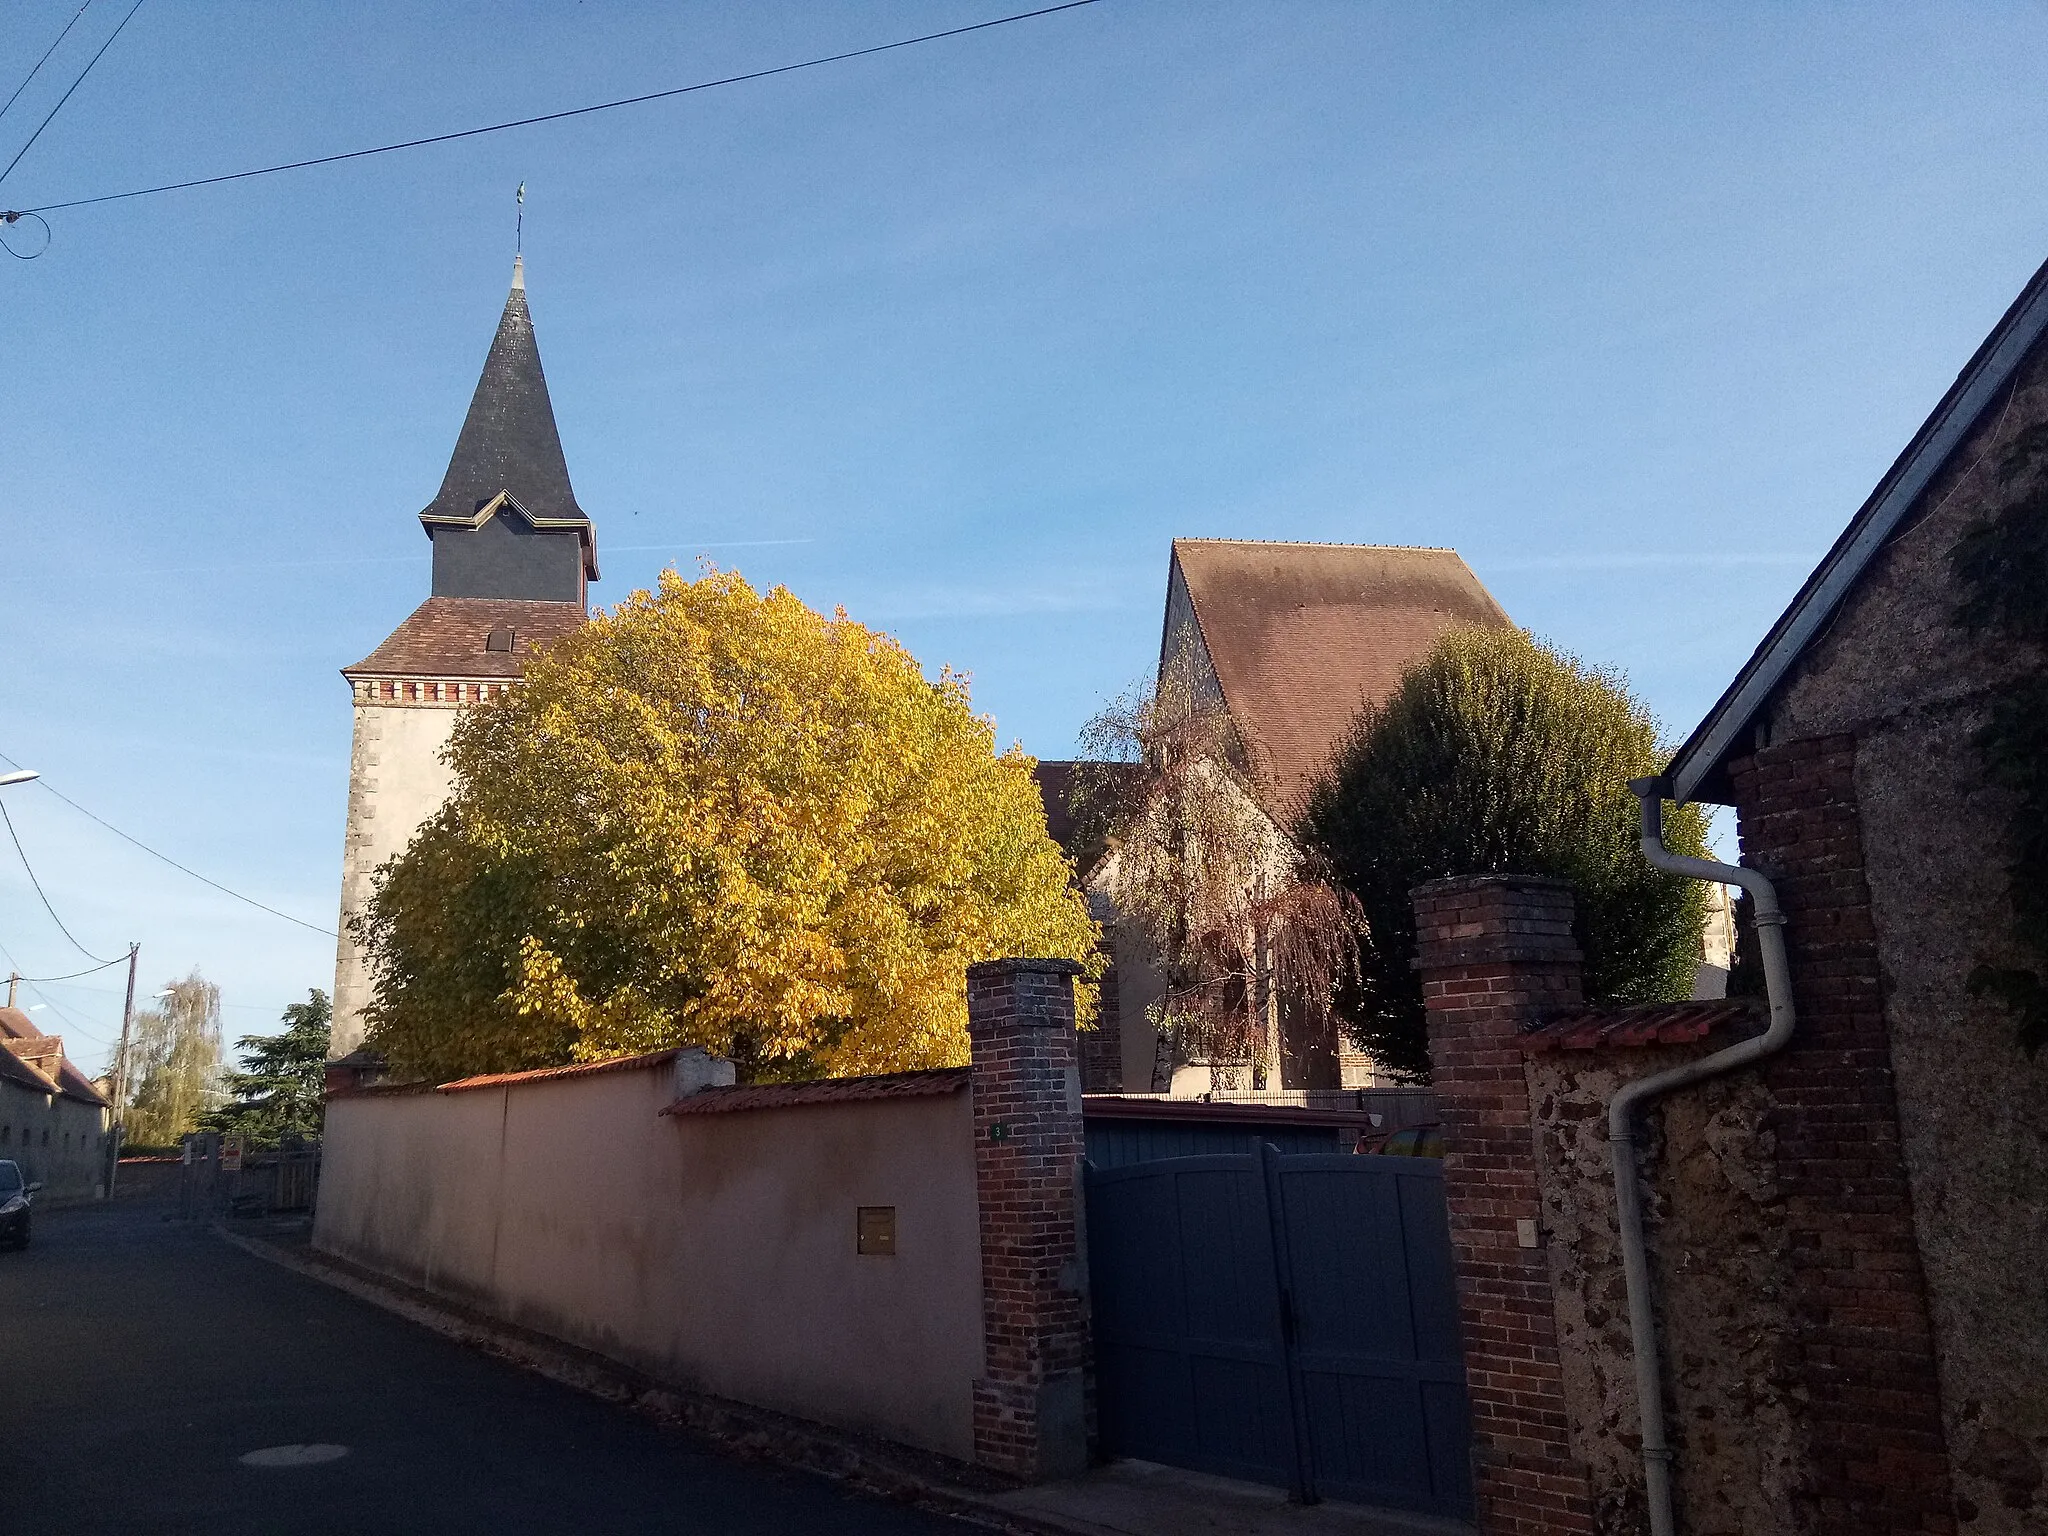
[1876,1455]
[1029,1406]
[1495,951]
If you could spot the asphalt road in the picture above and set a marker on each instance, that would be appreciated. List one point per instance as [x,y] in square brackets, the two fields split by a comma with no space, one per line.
[140,1359]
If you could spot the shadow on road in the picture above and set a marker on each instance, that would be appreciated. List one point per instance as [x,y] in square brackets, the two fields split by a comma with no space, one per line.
[144,1358]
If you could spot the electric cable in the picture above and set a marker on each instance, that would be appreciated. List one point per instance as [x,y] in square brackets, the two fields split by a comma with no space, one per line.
[67,95]
[545,117]
[72,975]
[166,858]
[55,1007]
[32,880]
[7,224]
[25,79]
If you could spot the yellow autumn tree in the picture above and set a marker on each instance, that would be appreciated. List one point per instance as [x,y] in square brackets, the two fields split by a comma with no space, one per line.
[715,817]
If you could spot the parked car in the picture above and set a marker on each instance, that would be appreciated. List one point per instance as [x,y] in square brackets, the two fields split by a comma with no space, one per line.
[15,1196]
[1412,1141]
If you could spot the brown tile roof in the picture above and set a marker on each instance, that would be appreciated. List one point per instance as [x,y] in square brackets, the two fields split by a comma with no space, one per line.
[1056,783]
[445,638]
[549,1074]
[36,1060]
[832,1090]
[1303,635]
[1585,1029]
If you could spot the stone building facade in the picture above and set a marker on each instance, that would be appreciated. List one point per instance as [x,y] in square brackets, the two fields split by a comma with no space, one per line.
[513,556]
[1846,1240]
[53,1121]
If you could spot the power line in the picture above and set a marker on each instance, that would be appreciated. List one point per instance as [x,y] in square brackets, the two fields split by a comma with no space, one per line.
[25,79]
[166,858]
[545,117]
[55,1007]
[32,880]
[89,970]
[67,95]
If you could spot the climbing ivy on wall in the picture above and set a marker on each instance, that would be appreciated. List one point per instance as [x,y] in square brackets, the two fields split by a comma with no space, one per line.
[2002,567]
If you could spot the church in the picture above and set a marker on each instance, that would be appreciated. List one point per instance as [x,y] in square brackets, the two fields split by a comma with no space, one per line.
[513,559]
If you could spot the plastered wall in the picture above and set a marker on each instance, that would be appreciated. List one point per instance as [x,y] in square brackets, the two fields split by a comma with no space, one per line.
[58,1142]
[714,1251]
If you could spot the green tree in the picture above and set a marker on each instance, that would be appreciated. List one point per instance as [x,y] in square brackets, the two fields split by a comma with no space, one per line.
[1499,755]
[715,817]
[277,1090]
[174,1062]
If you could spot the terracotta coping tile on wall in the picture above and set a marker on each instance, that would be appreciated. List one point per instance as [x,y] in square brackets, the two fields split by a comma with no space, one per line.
[548,1074]
[1585,1029]
[831,1090]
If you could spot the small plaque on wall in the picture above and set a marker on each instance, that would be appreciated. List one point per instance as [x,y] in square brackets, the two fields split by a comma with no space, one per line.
[875,1230]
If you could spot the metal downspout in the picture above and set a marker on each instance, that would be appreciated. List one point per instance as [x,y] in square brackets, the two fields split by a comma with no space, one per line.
[1621,1130]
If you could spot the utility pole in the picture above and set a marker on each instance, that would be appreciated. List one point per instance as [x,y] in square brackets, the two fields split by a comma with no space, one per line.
[121,1074]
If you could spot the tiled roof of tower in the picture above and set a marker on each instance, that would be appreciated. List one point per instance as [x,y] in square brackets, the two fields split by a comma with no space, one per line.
[1304,635]
[447,637]
[509,443]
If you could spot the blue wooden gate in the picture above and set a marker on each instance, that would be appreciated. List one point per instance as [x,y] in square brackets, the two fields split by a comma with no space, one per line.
[1289,1320]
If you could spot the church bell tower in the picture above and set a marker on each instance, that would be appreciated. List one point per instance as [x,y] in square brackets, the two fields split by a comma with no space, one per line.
[513,557]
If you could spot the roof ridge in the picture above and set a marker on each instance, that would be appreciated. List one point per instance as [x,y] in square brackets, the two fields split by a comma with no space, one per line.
[1413,549]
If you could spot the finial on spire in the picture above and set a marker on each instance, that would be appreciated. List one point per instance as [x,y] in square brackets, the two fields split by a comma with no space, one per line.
[519,222]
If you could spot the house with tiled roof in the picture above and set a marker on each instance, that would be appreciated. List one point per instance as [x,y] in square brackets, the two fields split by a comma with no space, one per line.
[53,1121]
[1291,641]
[514,554]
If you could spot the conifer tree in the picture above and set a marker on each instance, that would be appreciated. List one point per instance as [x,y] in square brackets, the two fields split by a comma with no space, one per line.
[276,1092]
[1499,755]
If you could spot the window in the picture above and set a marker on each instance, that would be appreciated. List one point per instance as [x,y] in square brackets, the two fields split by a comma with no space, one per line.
[499,640]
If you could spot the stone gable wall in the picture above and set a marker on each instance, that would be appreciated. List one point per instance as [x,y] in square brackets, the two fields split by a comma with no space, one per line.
[1895,674]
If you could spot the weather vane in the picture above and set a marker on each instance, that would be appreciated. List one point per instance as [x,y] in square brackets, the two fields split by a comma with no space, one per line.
[519,221]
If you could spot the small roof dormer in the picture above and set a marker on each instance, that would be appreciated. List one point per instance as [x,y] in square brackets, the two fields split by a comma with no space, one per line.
[506,523]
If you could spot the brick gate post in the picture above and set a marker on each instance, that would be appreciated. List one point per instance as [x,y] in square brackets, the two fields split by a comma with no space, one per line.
[1029,1406]
[1495,952]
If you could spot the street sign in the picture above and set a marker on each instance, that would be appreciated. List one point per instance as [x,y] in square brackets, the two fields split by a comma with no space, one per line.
[231,1154]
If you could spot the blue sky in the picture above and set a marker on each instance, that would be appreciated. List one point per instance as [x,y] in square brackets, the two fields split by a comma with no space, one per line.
[1629,304]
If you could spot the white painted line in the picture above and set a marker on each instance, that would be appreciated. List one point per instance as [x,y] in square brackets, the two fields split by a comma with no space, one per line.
[293,1455]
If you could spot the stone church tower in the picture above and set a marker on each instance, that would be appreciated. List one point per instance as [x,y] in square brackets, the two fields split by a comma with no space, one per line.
[513,554]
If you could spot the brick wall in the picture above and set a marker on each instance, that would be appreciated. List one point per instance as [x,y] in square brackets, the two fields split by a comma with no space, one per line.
[1102,1048]
[1495,953]
[1029,1405]
[1863,1345]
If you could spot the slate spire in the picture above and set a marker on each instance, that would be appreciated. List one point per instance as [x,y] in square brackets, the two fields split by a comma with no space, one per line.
[506,523]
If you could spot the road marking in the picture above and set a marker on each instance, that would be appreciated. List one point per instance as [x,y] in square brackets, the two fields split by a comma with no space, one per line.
[293,1455]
